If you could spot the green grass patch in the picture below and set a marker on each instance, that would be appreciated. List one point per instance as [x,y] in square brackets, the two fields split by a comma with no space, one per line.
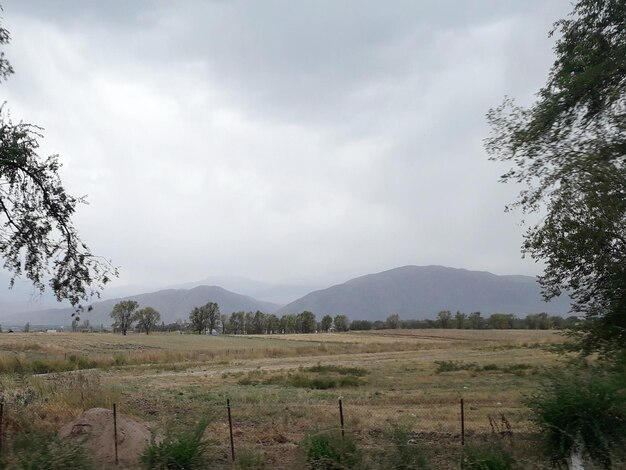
[454,366]
[328,369]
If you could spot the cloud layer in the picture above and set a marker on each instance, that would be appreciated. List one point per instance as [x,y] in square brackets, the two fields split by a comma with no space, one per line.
[282,141]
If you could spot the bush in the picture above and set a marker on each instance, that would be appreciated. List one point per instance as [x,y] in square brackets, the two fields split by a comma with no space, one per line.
[490,457]
[44,452]
[184,451]
[325,369]
[583,409]
[322,383]
[41,367]
[249,459]
[331,451]
[406,455]
[120,360]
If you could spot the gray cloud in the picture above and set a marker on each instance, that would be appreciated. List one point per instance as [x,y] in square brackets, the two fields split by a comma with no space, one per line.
[279,140]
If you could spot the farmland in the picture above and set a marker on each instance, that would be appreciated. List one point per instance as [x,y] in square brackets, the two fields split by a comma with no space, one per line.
[282,388]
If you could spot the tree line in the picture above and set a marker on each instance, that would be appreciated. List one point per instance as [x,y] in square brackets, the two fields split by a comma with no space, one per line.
[471,321]
[208,319]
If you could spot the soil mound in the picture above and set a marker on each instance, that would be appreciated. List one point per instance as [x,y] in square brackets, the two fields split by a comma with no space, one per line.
[95,428]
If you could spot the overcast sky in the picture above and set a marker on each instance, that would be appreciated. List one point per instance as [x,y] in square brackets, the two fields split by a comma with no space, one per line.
[284,141]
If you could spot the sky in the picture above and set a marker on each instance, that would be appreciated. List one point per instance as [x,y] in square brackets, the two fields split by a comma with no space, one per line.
[287,142]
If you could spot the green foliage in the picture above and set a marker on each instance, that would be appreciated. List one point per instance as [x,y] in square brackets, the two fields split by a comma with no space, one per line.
[393,321]
[327,368]
[326,323]
[454,366]
[487,457]
[327,377]
[406,455]
[568,150]
[583,408]
[123,315]
[120,360]
[501,321]
[44,452]
[341,323]
[330,451]
[147,318]
[185,451]
[305,322]
[81,362]
[250,459]
[205,318]
[444,318]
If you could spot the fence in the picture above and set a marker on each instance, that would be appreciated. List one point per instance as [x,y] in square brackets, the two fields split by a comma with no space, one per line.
[438,429]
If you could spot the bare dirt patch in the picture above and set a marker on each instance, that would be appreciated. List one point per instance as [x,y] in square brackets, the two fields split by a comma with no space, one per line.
[94,429]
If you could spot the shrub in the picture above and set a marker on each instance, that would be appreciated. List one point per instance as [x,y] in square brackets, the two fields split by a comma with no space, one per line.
[41,367]
[120,360]
[406,454]
[331,451]
[249,459]
[44,452]
[490,457]
[453,366]
[185,451]
[325,369]
[583,409]
[322,383]
[350,381]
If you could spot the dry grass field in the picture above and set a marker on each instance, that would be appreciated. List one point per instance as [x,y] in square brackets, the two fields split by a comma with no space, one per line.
[282,388]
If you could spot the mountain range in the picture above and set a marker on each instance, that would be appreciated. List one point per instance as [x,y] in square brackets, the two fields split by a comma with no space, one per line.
[411,291]
[422,291]
[172,304]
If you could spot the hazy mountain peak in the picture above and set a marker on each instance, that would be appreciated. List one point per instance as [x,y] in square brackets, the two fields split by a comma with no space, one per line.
[422,291]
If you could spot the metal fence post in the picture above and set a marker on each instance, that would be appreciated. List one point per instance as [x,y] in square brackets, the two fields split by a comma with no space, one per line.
[462,422]
[115,431]
[230,426]
[343,433]
[1,425]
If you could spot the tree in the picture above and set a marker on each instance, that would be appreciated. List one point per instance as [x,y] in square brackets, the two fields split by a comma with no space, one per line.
[38,239]
[259,323]
[392,322]
[273,324]
[538,321]
[122,315]
[342,323]
[460,317]
[445,318]
[306,322]
[85,327]
[205,318]
[147,319]
[501,321]
[475,320]
[568,150]
[288,323]
[360,325]
[248,321]
[326,323]
[236,323]
[27,327]
[580,414]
